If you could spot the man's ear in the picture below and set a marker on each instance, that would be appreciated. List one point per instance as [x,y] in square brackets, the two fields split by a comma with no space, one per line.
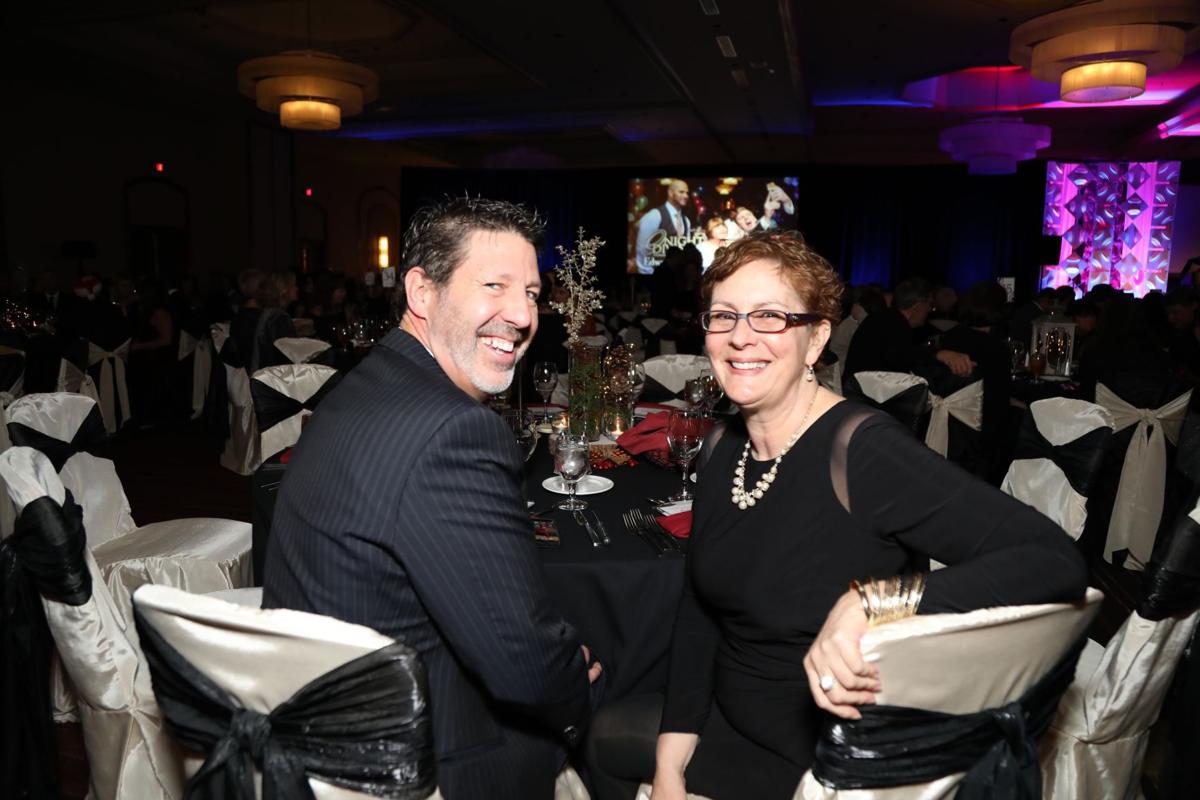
[417,292]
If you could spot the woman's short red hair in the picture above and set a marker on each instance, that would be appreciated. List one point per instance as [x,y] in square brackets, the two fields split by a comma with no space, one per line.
[810,275]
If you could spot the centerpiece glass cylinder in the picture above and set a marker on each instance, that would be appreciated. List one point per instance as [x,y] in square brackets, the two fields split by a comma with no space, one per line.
[585,383]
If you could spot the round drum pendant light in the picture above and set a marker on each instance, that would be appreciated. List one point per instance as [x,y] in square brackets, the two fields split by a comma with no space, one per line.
[310,90]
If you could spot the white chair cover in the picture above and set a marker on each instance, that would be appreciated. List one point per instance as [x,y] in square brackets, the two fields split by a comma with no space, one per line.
[113,386]
[251,596]
[961,664]
[299,350]
[93,481]
[241,454]
[1039,482]
[883,386]
[129,752]
[261,657]
[73,379]
[674,371]
[219,331]
[1137,508]
[201,350]
[299,382]
[1097,742]
[965,405]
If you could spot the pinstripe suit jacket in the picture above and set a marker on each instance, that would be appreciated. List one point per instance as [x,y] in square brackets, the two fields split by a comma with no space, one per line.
[402,510]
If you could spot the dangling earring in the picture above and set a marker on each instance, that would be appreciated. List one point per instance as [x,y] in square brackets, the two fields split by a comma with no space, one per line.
[810,376]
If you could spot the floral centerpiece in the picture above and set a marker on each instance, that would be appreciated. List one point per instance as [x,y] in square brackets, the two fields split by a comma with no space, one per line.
[577,276]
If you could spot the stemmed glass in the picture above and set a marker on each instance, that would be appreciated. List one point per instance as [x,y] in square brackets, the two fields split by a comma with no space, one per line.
[545,378]
[637,377]
[685,433]
[1037,362]
[524,430]
[571,462]
[1016,355]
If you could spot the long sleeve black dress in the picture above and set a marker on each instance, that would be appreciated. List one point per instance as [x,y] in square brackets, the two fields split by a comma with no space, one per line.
[761,581]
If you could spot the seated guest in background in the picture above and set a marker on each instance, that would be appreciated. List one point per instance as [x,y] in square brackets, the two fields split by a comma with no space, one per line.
[824,491]
[1020,327]
[152,354]
[262,318]
[867,300]
[1182,317]
[402,509]
[979,314]
[945,303]
[884,340]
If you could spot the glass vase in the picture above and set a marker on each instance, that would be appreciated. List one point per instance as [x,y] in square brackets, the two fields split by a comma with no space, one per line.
[585,382]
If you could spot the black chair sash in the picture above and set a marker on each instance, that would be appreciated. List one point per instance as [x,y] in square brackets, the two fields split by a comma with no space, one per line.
[910,406]
[655,392]
[12,370]
[44,556]
[1079,459]
[1171,584]
[364,726]
[89,434]
[996,748]
[272,406]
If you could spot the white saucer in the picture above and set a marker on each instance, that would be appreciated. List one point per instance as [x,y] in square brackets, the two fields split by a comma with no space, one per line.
[588,484]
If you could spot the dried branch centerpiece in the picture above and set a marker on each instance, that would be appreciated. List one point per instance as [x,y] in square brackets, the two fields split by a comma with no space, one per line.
[585,381]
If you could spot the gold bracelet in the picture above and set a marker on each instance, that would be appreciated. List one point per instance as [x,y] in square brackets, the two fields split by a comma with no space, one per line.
[862,597]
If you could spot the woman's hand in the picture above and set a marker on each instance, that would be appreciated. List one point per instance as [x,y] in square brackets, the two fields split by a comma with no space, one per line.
[671,757]
[836,656]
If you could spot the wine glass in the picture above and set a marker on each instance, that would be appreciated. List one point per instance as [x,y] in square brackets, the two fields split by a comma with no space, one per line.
[1037,362]
[637,377]
[545,378]
[1016,355]
[685,433]
[522,425]
[712,390]
[571,462]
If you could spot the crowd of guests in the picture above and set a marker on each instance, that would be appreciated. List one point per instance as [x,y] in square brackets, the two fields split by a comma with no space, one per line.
[260,306]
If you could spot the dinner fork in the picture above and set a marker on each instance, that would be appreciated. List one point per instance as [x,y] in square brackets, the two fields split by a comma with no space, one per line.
[650,525]
[632,526]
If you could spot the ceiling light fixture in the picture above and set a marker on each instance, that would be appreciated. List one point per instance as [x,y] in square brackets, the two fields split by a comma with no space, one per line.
[310,90]
[1103,51]
[994,145]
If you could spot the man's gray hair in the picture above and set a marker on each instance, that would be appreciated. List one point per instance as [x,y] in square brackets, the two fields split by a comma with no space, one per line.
[911,291]
[437,234]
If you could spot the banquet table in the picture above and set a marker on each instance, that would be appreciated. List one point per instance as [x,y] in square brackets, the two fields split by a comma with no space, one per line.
[620,597]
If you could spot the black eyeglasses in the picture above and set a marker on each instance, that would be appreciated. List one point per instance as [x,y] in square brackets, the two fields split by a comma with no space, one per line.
[762,321]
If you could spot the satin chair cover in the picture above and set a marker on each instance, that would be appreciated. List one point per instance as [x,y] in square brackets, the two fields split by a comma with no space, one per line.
[241,454]
[260,656]
[300,350]
[129,752]
[1137,509]
[70,425]
[1097,742]
[983,659]
[73,377]
[965,405]
[654,342]
[200,349]
[251,596]
[901,394]
[300,387]
[108,367]
[1042,483]
[673,372]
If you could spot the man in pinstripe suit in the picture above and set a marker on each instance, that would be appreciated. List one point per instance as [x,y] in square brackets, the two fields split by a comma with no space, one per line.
[402,509]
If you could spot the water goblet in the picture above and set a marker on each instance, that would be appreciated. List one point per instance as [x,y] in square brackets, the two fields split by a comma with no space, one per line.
[571,462]
[545,378]
[686,428]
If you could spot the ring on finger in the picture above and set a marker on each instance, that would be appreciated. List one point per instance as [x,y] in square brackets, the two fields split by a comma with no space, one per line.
[827,683]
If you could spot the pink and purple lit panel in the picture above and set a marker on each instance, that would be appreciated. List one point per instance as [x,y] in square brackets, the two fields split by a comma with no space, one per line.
[1115,220]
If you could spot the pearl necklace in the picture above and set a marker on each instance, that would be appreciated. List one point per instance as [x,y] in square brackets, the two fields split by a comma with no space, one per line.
[739,496]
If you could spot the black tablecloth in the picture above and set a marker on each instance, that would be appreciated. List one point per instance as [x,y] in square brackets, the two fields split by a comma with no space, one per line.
[621,597]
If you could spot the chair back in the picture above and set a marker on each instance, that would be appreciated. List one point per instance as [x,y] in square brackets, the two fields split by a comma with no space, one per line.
[900,394]
[199,346]
[72,371]
[963,403]
[1097,742]
[1138,505]
[64,427]
[963,664]
[106,365]
[1059,449]
[301,350]
[283,397]
[670,374]
[261,659]
[658,338]
[128,753]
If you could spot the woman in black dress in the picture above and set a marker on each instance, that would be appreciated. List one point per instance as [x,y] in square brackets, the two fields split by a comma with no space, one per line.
[802,494]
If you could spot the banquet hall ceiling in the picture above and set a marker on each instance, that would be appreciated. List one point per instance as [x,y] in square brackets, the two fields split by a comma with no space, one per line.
[581,82]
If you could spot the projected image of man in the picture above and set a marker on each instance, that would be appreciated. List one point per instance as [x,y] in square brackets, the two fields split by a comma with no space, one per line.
[665,221]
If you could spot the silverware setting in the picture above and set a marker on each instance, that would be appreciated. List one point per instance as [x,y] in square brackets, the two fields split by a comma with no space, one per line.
[642,525]
[582,522]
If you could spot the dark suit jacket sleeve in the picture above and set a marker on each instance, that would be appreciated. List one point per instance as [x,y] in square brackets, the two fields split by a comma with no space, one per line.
[474,565]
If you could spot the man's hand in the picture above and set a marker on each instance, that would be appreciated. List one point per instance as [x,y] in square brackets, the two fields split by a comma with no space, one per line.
[594,668]
[959,363]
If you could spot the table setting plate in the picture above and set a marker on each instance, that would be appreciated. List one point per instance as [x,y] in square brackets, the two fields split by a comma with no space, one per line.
[588,484]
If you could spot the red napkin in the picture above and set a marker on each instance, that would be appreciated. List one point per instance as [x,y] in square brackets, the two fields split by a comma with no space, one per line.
[287,455]
[649,434]
[678,525]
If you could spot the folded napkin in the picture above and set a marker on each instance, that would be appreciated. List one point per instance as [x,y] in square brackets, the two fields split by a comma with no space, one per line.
[678,525]
[648,435]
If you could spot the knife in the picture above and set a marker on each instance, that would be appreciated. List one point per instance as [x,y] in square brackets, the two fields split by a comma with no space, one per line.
[581,521]
[600,528]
